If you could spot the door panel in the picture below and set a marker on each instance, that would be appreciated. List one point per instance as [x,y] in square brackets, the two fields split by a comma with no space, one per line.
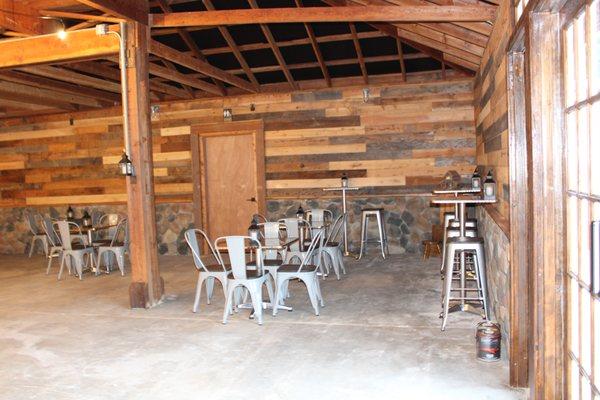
[229,174]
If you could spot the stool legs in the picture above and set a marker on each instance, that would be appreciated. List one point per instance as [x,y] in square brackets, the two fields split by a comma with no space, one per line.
[363,234]
[381,231]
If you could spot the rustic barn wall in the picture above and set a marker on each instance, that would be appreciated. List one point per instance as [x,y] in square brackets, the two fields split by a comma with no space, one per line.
[399,142]
[491,108]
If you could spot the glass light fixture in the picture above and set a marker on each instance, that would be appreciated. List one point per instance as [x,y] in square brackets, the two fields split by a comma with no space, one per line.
[253,229]
[476,180]
[489,187]
[125,165]
[70,213]
[344,180]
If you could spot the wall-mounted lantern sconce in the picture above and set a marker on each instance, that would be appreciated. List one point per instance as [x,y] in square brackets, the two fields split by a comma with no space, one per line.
[126,166]
[155,112]
[366,94]
[227,114]
[252,107]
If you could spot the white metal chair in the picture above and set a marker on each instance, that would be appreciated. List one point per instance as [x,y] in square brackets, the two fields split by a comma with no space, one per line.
[306,272]
[300,254]
[260,218]
[292,230]
[252,280]
[333,246]
[319,216]
[118,246]
[55,245]
[206,272]
[74,252]
[109,219]
[38,234]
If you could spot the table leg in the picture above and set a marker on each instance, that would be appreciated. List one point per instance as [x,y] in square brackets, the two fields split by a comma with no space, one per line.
[345,222]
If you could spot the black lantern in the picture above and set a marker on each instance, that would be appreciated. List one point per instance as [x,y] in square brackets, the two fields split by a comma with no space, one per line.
[476,180]
[489,187]
[86,220]
[300,214]
[125,165]
[344,180]
[253,229]
[70,213]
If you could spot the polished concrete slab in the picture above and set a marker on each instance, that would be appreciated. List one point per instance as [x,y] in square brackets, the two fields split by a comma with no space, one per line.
[378,337]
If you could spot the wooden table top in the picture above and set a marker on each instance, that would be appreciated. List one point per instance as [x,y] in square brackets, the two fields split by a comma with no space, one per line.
[462,199]
[456,191]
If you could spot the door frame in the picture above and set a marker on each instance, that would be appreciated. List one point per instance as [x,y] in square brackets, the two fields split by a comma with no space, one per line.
[200,132]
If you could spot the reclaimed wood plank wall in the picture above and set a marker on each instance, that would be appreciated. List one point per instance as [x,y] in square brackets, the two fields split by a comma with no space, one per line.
[491,110]
[401,141]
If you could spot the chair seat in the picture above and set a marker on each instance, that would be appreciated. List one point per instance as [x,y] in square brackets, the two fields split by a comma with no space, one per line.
[250,274]
[102,242]
[107,245]
[292,268]
[217,268]
[332,244]
[78,246]
[267,263]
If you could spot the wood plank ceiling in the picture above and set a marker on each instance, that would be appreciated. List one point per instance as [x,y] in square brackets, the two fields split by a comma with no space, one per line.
[198,61]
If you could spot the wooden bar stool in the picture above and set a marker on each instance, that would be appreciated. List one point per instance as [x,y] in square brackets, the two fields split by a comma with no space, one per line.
[433,247]
[378,214]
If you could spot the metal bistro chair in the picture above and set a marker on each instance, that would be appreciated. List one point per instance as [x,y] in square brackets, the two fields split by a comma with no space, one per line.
[333,246]
[252,280]
[55,245]
[118,246]
[306,272]
[38,234]
[260,218]
[206,272]
[109,219]
[300,253]
[292,229]
[75,252]
[318,216]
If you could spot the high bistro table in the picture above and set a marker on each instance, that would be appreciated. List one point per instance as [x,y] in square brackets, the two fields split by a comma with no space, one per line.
[343,189]
[89,230]
[460,203]
[456,192]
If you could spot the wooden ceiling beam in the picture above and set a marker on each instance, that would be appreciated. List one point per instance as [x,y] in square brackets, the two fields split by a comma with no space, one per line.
[326,14]
[316,49]
[359,55]
[45,49]
[234,48]
[401,59]
[136,10]
[190,43]
[66,75]
[41,97]
[170,66]
[273,43]
[84,17]
[183,79]
[59,86]
[194,64]
[19,17]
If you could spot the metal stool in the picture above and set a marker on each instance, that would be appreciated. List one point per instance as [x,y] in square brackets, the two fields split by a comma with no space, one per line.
[452,223]
[378,214]
[465,245]
[454,232]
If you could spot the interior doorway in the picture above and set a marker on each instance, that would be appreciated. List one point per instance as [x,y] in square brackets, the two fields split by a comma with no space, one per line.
[229,176]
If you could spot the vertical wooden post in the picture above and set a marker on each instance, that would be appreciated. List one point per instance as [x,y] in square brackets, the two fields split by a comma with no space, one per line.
[147,287]
[547,196]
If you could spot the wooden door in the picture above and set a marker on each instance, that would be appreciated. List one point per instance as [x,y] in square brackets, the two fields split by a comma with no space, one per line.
[229,176]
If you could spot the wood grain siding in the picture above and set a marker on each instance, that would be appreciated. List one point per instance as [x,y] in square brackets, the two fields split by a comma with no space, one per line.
[491,107]
[401,141]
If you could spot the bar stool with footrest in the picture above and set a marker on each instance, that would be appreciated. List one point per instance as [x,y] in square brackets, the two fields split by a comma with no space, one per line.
[378,214]
[467,245]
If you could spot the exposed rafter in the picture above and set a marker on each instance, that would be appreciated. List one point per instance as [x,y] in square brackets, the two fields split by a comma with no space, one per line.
[325,14]
[267,32]
[359,55]
[136,10]
[316,49]
[234,48]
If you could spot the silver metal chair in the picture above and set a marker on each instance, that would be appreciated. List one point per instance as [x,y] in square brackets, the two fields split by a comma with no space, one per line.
[37,232]
[118,246]
[368,213]
[207,272]
[252,280]
[475,247]
[55,245]
[75,252]
[305,272]
[333,246]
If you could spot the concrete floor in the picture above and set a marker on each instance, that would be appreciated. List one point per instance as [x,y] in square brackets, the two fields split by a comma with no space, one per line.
[378,337]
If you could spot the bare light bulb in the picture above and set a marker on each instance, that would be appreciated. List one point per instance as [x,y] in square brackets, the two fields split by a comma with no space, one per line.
[62,34]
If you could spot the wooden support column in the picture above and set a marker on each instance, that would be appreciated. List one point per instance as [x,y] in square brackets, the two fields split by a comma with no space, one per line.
[147,287]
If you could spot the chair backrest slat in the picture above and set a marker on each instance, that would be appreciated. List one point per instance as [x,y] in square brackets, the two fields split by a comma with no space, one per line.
[336,229]
[191,238]
[315,243]
[236,248]
[64,229]
[48,228]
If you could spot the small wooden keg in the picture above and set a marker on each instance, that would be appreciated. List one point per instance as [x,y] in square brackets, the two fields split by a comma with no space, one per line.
[488,339]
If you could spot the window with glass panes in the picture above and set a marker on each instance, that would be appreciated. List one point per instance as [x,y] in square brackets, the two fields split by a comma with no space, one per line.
[581,39]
